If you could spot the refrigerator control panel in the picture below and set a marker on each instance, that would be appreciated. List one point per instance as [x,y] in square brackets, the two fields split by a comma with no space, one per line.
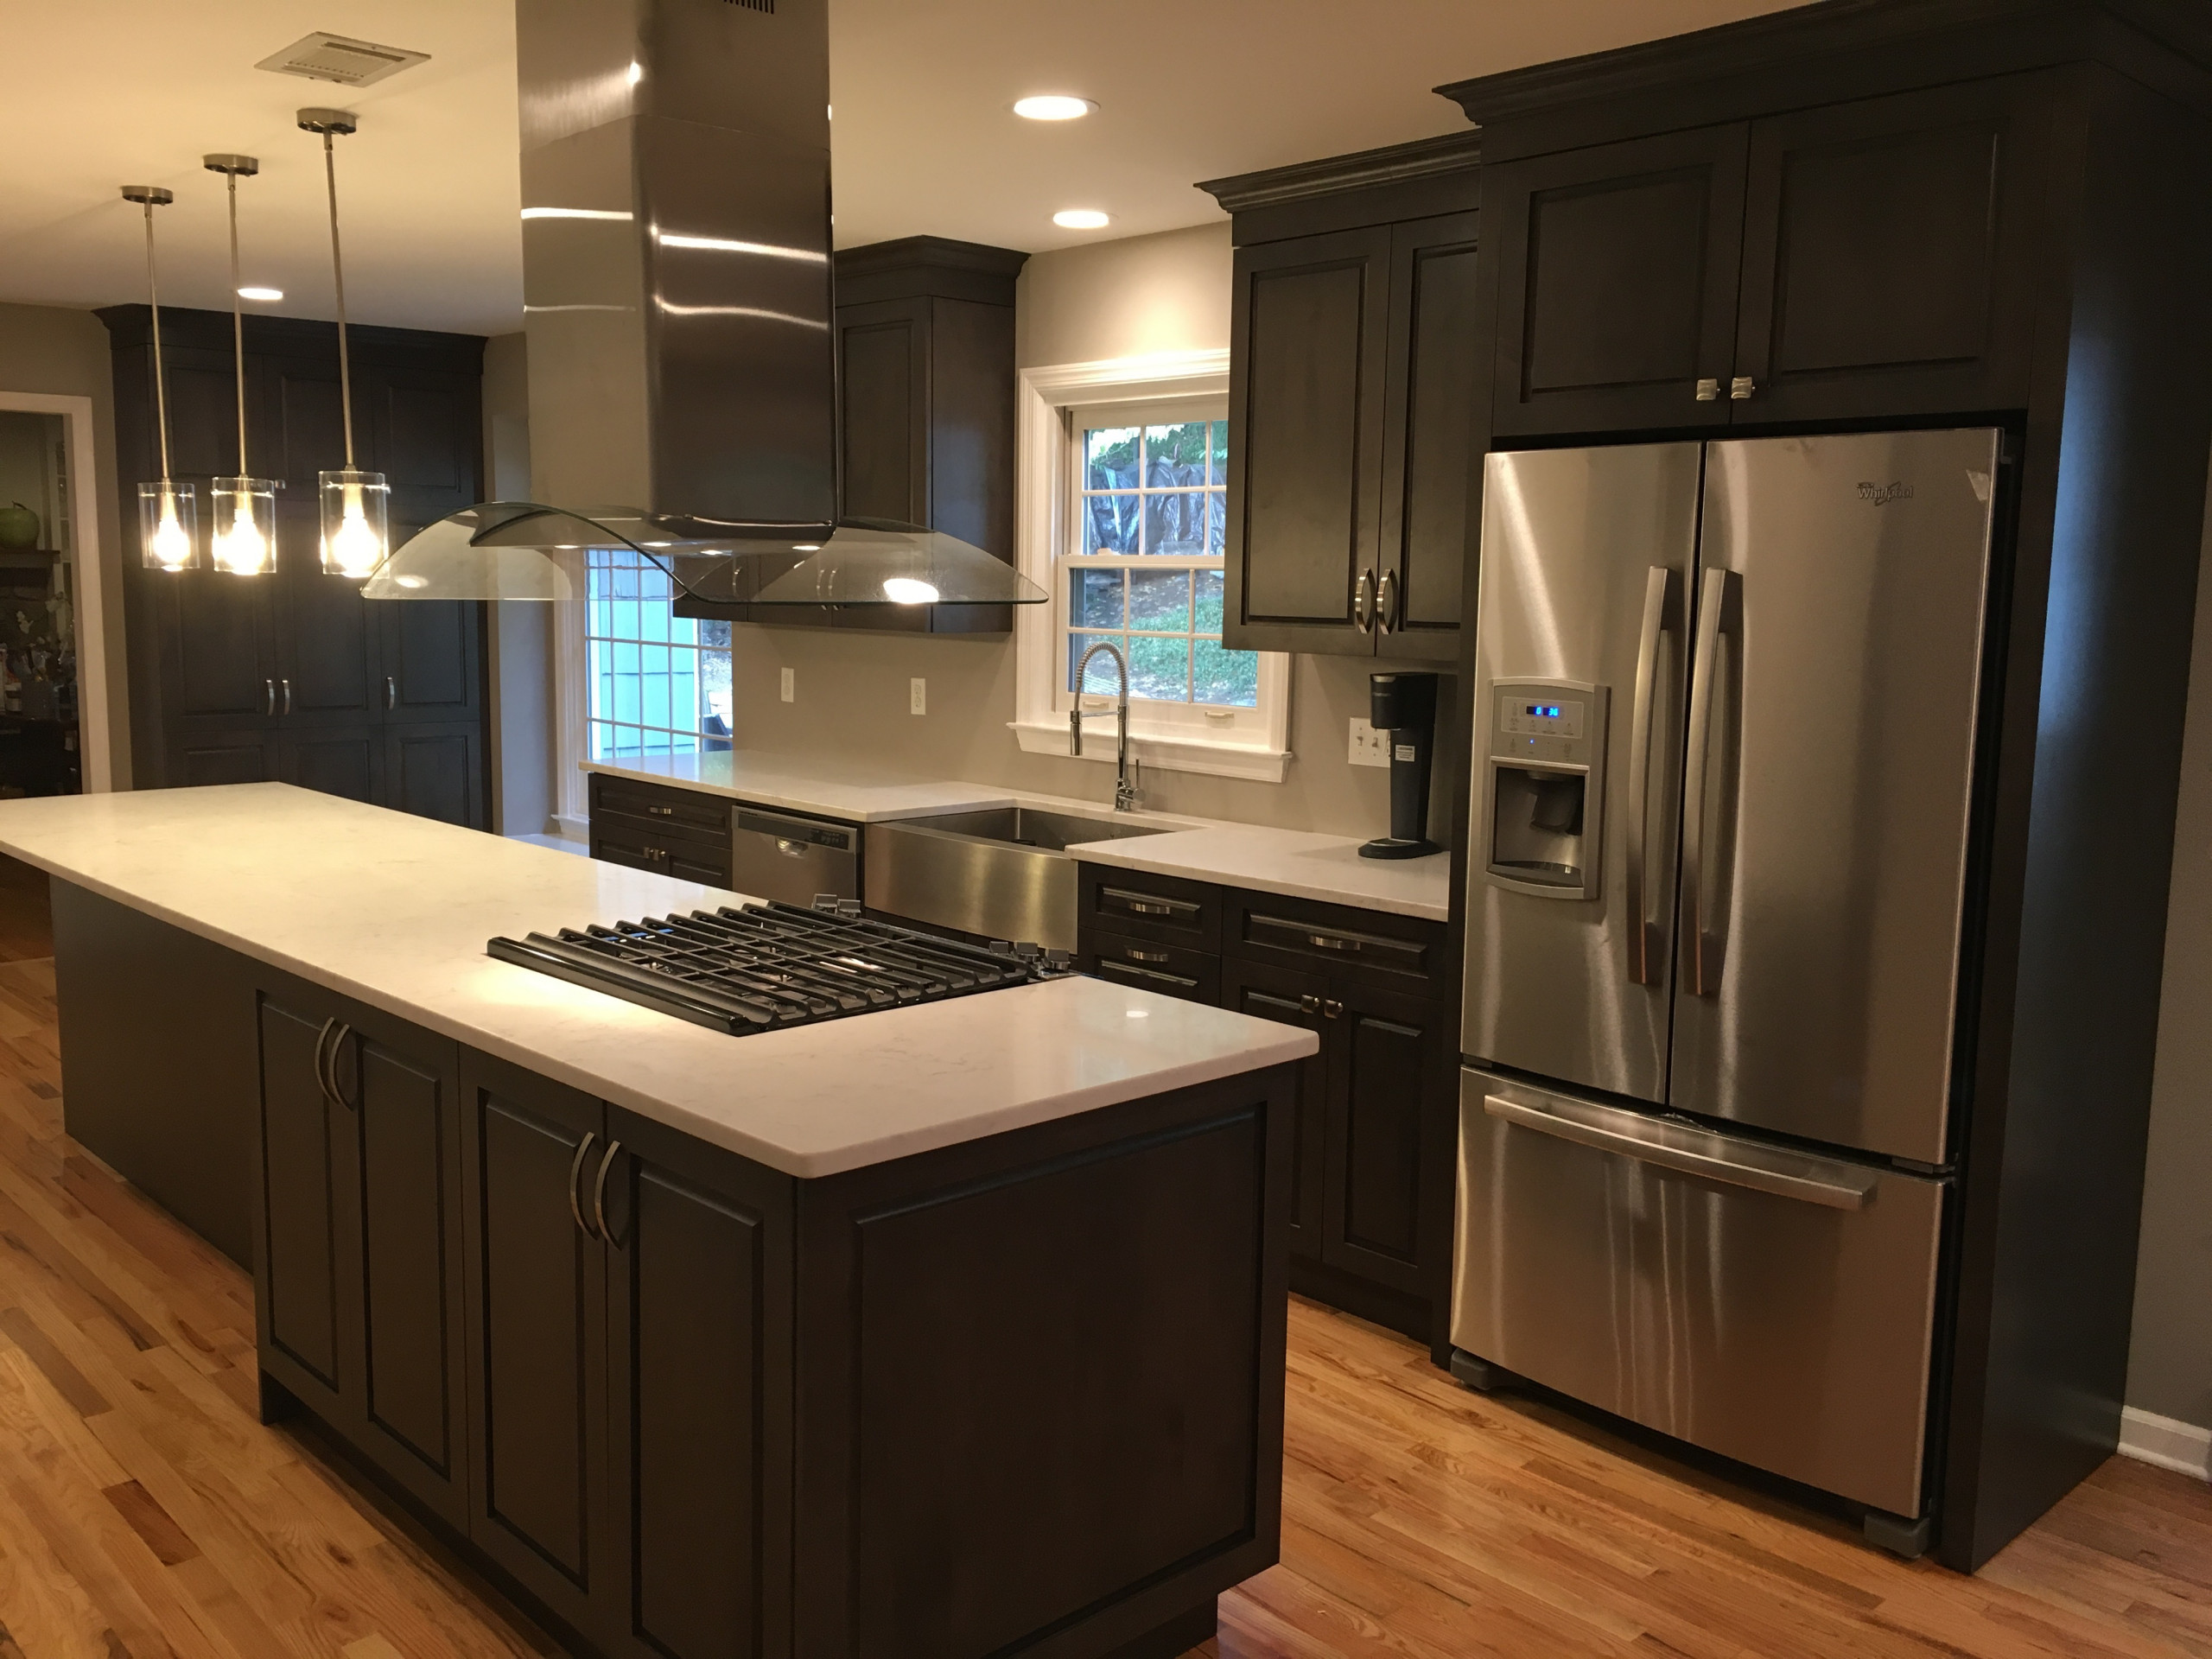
[1537,722]
[1527,716]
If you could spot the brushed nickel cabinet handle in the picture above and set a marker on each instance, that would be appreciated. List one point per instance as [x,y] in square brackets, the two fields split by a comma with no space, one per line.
[1386,603]
[661,812]
[1333,1008]
[598,1192]
[1363,602]
[1144,909]
[1135,955]
[1743,386]
[1331,942]
[1708,391]
[268,698]
[391,693]
[338,1042]
[322,1061]
[287,684]
[575,1170]
[1309,1003]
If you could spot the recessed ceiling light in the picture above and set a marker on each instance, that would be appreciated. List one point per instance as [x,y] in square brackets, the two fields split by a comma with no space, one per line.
[1082,219]
[261,293]
[1053,107]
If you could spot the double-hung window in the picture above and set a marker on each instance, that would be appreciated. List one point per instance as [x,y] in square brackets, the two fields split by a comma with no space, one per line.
[1142,569]
[658,683]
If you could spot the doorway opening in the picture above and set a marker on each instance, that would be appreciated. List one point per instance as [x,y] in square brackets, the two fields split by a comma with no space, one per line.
[41,743]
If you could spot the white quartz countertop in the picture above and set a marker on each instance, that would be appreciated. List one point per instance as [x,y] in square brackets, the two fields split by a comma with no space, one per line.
[1293,861]
[395,911]
[826,788]
[1258,857]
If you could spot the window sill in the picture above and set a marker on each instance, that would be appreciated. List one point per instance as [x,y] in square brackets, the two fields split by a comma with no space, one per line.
[1180,751]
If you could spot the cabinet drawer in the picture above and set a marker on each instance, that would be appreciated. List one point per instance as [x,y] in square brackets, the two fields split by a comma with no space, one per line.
[1141,907]
[1150,965]
[1265,928]
[642,809]
[664,854]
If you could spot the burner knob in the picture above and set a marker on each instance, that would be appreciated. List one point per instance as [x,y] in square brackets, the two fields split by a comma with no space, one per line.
[1002,947]
[1028,949]
[850,908]
[1059,959]
[827,901]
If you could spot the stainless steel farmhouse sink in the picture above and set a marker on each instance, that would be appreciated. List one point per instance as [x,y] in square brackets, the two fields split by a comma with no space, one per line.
[1003,873]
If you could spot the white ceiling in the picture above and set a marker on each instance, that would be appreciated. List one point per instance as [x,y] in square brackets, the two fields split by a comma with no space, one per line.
[104,93]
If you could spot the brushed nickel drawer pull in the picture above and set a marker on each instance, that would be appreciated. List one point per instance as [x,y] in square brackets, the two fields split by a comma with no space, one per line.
[1309,1003]
[599,1193]
[575,1170]
[1708,391]
[662,811]
[1331,942]
[1135,955]
[1144,909]
[1333,1008]
[1742,387]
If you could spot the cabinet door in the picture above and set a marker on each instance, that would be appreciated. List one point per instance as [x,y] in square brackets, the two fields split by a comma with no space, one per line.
[346,760]
[699,1322]
[219,637]
[1295,999]
[537,1334]
[301,1197]
[327,655]
[403,1279]
[1306,419]
[1617,277]
[1428,461]
[883,410]
[1381,1064]
[1890,247]
[432,660]
[212,753]
[436,772]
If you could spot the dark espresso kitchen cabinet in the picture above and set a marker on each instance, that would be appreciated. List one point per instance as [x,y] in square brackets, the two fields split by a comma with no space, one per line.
[1371,1112]
[359,1255]
[1874,258]
[926,416]
[629,1335]
[294,677]
[1356,350]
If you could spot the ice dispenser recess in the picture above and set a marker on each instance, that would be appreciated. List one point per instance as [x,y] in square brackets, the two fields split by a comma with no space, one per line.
[1545,787]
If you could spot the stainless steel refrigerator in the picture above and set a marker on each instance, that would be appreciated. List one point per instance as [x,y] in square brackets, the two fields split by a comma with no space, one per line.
[1717,871]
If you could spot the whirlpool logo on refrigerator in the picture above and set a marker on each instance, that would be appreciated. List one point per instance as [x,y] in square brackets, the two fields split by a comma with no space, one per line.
[1881,495]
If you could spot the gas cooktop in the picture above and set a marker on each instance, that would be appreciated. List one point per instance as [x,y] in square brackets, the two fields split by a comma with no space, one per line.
[763,967]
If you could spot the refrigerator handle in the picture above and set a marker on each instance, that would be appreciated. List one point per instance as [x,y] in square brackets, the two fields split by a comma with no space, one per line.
[1836,1186]
[1717,613]
[1645,944]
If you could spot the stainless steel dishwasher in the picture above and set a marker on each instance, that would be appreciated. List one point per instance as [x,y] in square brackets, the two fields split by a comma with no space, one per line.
[773,856]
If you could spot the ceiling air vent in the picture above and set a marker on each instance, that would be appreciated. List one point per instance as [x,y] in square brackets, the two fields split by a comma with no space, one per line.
[768,6]
[323,56]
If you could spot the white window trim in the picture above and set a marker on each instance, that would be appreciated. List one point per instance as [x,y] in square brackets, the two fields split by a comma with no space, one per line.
[1257,745]
[572,707]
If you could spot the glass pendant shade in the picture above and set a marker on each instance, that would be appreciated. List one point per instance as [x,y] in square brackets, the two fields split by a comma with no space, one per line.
[168,526]
[356,528]
[242,541]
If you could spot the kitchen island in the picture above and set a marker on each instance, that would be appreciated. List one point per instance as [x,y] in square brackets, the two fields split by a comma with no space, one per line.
[952,1328]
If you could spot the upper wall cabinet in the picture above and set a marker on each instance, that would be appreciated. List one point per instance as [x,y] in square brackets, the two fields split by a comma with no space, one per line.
[1355,359]
[1869,259]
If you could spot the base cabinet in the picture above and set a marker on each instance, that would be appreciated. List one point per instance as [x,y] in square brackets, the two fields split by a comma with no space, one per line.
[1370,1134]
[360,1245]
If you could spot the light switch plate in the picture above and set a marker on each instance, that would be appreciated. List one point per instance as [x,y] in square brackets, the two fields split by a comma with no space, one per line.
[1370,747]
[791,685]
[918,696]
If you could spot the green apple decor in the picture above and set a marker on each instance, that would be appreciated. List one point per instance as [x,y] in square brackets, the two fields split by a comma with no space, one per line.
[18,526]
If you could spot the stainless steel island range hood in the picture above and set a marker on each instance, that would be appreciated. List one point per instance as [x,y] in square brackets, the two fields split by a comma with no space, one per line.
[678,299]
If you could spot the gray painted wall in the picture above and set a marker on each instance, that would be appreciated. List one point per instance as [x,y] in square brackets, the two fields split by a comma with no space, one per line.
[51,349]
[523,736]
[2170,1363]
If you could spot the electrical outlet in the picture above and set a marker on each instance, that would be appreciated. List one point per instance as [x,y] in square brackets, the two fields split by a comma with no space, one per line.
[791,685]
[918,696]
[1370,747]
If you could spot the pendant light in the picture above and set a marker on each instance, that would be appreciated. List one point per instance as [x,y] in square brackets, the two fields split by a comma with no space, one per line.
[244,541]
[356,504]
[168,513]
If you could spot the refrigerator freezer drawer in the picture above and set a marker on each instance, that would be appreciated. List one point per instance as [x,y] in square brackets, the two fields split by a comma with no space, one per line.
[1772,1306]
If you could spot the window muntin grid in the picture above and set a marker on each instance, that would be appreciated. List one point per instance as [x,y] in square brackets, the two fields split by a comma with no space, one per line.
[1145,571]
[658,683]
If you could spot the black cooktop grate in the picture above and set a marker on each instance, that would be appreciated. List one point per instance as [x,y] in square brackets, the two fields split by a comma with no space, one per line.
[768,966]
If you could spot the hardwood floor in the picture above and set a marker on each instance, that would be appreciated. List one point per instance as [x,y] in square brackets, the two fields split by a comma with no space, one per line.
[145,1512]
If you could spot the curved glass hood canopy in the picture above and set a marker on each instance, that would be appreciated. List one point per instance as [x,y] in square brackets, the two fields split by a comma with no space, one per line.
[526,550]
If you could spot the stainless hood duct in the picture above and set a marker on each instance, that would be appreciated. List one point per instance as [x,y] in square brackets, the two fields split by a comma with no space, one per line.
[677,296]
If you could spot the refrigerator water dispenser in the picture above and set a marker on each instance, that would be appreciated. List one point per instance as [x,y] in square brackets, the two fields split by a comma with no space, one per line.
[1544,788]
